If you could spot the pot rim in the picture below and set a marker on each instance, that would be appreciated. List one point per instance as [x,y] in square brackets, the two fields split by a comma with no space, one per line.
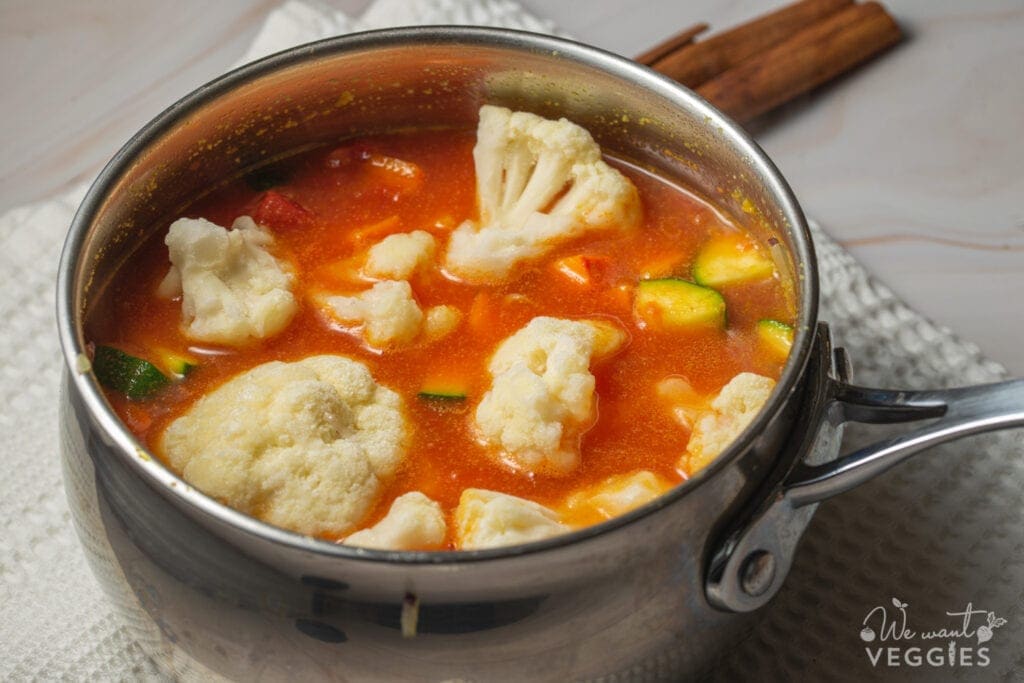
[160,477]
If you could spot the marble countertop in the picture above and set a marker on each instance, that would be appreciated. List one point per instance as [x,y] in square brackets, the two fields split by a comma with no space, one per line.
[914,162]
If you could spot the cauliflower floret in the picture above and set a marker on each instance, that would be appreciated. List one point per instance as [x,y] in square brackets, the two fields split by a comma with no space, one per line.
[542,395]
[414,522]
[388,312]
[233,290]
[488,519]
[731,411]
[440,321]
[397,257]
[616,495]
[305,445]
[539,182]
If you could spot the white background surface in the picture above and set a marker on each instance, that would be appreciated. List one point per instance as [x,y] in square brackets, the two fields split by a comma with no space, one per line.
[915,162]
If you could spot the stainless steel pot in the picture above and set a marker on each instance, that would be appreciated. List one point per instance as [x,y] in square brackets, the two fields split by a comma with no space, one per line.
[654,594]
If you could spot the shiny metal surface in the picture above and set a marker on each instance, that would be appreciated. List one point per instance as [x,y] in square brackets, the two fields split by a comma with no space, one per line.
[771,525]
[212,593]
[774,528]
[424,76]
[960,412]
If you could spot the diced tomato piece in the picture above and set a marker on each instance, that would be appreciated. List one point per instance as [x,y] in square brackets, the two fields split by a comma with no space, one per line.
[279,212]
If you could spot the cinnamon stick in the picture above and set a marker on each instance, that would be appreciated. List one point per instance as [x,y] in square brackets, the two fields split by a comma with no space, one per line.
[705,59]
[805,60]
[669,45]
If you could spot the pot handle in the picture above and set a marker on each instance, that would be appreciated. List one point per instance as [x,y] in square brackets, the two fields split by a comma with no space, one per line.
[962,412]
[752,562]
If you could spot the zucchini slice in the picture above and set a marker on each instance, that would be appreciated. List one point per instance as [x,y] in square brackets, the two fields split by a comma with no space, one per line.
[726,261]
[177,364]
[675,304]
[776,336]
[134,377]
[443,390]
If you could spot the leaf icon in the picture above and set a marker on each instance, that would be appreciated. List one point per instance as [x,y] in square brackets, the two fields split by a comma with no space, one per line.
[998,622]
[896,601]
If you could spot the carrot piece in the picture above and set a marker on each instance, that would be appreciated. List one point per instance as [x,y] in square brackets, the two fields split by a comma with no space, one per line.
[664,265]
[376,231]
[274,210]
[580,269]
[482,313]
[344,272]
[445,222]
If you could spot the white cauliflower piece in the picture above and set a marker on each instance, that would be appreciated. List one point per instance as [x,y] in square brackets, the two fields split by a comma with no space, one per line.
[388,313]
[683,400]
[306,445]
[440,321]
[414,522]
[542,395]
[233,290]
[617,495]
[731,411]
[539,182]
[488,519]
[397,257]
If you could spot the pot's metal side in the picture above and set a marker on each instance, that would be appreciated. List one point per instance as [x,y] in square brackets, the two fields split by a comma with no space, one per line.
[746,570]
[201,601]
[210,591]
[377,81]
[750,565]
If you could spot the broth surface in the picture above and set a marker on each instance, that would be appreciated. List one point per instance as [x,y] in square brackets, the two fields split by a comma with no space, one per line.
[353,202]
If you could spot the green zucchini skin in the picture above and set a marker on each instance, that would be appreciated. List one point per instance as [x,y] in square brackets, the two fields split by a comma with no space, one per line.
[777,325]
[441,396]
[679,304]
[776,335]
[134,377]
[180,366]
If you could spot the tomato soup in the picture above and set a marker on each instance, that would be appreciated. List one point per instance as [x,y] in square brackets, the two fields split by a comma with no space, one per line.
[326,207]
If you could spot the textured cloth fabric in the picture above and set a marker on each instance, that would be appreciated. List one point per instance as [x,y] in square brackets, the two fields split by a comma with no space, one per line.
[941,531]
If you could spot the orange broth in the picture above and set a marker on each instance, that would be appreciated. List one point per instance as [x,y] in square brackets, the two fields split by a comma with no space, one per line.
[358,187]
